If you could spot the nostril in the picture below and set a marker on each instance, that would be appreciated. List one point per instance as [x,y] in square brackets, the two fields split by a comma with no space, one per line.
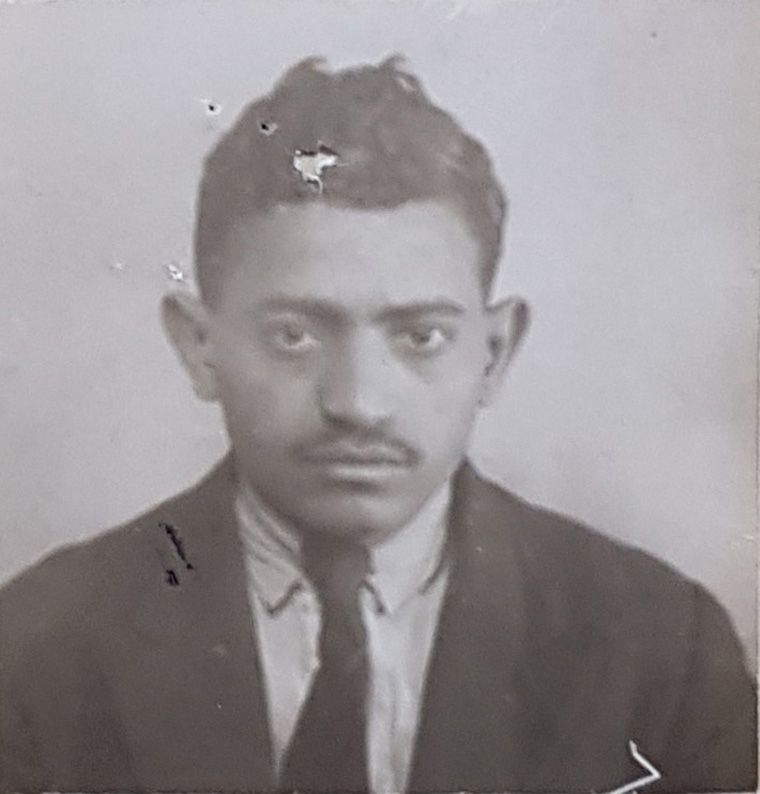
[357,383]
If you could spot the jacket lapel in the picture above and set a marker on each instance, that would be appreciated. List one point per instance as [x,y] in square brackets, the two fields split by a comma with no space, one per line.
[193,699]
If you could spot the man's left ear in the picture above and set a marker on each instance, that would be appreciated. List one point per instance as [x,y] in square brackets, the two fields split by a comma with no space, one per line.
[508,321]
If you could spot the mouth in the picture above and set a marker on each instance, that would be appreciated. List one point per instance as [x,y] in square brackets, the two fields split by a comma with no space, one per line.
[363,474]
[366,466]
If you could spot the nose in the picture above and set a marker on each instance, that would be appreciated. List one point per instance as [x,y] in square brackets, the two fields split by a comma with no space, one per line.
[356,385]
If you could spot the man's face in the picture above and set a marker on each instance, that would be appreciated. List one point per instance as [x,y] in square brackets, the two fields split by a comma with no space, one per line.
[350,350]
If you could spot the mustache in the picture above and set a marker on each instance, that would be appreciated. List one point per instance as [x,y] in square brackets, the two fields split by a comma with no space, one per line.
[366,449]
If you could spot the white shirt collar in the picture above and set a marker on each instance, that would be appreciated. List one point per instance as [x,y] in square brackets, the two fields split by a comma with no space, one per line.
[402,566]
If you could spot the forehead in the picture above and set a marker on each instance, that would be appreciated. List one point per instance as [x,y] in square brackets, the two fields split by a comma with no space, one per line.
[357,258]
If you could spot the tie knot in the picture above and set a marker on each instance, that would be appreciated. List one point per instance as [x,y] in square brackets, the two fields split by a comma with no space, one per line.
[336,566]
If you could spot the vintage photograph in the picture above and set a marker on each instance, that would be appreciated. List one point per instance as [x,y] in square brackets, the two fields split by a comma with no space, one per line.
[378,396]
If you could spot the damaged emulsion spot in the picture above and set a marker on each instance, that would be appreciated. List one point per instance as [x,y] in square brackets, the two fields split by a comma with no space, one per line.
[311,164]
[212,108]
[267,128]
[407,83]
[179,550]
[176,273]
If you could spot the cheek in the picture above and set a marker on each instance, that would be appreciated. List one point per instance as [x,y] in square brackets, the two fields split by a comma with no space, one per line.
[260,403]
[461,382]
[452,398]
[452,409]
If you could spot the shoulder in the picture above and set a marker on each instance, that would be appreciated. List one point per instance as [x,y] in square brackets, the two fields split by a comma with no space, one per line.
[624,629]
[80,588]
[577,575]
[71,587]
[562,546]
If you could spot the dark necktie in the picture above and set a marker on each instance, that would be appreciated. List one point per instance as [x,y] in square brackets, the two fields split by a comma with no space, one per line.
[328,750]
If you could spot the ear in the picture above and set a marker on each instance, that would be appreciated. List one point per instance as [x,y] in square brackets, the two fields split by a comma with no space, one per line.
[186,323]
[508,321]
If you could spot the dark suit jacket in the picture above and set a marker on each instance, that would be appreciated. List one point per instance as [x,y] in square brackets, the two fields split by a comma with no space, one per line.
[123,667]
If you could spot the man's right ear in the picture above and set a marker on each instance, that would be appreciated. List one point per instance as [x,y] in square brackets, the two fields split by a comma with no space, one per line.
[186,323]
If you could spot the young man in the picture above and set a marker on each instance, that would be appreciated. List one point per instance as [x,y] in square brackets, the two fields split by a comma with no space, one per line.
[344,604]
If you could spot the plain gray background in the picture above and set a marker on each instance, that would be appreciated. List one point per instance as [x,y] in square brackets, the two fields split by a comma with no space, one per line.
[626,134]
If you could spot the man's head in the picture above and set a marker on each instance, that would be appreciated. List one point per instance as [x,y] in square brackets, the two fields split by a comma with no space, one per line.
[344,322]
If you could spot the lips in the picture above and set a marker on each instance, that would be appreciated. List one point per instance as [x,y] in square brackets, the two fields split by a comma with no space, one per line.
[346,456]
[359,457]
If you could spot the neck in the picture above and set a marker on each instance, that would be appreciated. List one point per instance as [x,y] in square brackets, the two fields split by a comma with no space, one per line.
[288,536]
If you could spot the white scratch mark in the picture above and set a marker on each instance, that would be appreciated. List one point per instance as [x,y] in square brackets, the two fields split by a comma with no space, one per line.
[652,777]
[311,164]
[176,273]
[118,266]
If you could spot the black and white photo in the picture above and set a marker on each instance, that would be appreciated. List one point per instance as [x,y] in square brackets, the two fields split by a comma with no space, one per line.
[379,397]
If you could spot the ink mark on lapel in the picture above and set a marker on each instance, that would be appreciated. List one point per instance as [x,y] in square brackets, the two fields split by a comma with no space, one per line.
[177,543]
[652,776]
[170,570]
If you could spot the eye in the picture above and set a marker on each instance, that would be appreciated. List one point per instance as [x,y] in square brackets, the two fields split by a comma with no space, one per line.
[293,338]
[423,339]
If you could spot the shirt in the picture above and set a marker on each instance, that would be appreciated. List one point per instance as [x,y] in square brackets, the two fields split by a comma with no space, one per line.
[400,602]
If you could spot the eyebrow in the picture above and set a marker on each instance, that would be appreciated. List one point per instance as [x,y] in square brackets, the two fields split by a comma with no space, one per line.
[334,312]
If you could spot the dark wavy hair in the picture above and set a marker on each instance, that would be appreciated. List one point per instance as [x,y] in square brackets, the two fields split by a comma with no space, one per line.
[393,146]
